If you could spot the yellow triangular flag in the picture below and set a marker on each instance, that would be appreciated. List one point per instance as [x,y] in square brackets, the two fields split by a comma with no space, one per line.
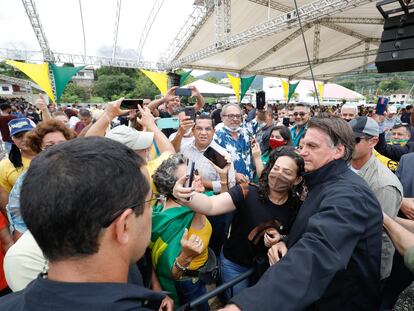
[285,85]
[160,79]
[235,84]
[321,89]
[39,73]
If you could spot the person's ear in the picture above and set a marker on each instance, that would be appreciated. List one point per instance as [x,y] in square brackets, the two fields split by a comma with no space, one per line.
[121,226]
[339,152]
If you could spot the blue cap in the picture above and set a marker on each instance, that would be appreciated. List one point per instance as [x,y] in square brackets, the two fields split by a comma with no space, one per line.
[19,125]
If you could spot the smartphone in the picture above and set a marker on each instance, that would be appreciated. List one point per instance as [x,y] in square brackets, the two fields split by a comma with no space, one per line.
[286,121]
[183,92]
[190,173]
[168,123]
[260,100]
[381,106]
[131,104]
[190,112]
[215,157]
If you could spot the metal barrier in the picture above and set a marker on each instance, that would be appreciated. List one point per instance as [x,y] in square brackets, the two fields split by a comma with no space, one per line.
[193,304]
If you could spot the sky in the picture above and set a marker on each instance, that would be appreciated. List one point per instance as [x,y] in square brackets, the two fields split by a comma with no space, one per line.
[61,20]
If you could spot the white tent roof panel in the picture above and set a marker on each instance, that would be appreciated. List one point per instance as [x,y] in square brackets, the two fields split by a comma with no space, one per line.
[339,30]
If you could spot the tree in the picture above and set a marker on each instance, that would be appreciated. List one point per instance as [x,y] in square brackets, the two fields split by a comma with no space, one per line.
[349,85]
[144,88]
[75,93]
[212,80]
[393,85]
[113,86]
[115,71]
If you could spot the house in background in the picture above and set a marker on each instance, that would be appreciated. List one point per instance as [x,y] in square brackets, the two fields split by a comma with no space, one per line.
[400,97]
[85,77]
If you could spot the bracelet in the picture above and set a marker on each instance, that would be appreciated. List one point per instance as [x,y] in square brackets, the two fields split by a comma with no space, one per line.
[179,267]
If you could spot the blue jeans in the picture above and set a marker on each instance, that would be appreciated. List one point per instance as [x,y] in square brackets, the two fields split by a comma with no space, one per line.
[230,270]
[187,291]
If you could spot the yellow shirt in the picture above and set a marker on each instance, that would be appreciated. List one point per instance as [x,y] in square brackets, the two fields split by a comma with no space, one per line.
[9,174]
[391,164]
[152,167]
[204,234]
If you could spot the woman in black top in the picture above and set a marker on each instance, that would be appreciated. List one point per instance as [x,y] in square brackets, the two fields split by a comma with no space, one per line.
[263,212]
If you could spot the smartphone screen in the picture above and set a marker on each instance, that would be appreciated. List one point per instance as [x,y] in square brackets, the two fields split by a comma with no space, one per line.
[260,100]
[128,104]
[168,123]
[190,112]
[182,92]
[215,157]
[286,121]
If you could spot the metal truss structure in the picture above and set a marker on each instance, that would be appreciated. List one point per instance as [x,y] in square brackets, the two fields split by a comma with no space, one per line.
[274,5]
[148,25]
[36,56]
[201,12]
[38,29]
[118,14]
[310,12]
[222,12]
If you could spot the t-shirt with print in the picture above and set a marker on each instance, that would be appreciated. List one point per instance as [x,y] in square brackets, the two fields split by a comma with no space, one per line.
[251,216]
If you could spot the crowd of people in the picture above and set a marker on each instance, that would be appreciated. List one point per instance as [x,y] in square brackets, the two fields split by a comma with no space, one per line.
[111,209]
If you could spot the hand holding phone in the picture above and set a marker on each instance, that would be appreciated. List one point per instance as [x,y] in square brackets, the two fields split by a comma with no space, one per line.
[215,157]
[190,174]
[183,92]
[190,112]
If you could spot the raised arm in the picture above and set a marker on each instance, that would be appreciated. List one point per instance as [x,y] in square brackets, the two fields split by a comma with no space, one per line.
[147,121]
[41,105]
[157,102]
[112,110]
[401,237]
[200,99]
[200,203]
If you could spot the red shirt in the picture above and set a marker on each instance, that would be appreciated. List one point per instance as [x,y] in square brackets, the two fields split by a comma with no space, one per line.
[4,127]
[3,283]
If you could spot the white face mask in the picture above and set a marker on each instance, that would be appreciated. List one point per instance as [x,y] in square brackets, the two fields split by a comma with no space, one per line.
[233,130]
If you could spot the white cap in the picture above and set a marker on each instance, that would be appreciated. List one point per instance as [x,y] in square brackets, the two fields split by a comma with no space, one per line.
[392,109]
[130,137]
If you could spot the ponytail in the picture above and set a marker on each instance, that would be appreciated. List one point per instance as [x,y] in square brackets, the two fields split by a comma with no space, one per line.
[15,156]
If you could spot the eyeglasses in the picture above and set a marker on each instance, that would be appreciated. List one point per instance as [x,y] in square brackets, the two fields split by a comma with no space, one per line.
[107,223]
[232,116]
[302,114]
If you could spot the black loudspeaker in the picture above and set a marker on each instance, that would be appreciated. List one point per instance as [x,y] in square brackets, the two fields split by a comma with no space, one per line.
[260,100]
[174,79]
[396,51]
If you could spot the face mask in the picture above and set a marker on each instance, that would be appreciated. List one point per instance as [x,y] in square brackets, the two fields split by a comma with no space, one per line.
[401,142]
[278,182]
[275,143]
[233,130]
[347,120]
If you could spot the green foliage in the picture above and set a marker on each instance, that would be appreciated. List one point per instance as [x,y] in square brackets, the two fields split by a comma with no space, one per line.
[114,71]
[110,86]
[10,71]
[96,99]
[74,93]
[144,88]
[212,80]
[393,85]
[349,85]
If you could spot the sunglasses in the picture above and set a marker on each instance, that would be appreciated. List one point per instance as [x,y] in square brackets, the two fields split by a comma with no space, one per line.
[358,139]
[302,114]
[232,116]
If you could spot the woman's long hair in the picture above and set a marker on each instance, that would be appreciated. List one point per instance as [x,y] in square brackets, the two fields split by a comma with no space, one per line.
[263,184]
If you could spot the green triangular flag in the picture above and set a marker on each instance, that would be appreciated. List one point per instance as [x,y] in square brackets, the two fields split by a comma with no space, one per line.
[62,76]
[292,89]
[184,76]
[245,84]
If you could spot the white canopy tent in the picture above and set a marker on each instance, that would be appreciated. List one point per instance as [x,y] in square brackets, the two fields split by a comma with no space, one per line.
[209,89]
[263,37]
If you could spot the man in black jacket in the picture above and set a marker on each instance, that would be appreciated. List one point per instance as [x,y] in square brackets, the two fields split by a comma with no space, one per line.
[91,221]
[334,246]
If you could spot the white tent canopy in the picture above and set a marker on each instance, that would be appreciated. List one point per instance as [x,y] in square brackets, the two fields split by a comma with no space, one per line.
[209,89]
[263,37]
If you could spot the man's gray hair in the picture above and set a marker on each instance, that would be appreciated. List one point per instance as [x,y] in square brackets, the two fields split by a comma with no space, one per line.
[223,111]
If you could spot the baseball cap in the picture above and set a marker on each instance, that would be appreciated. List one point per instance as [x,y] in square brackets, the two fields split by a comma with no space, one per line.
[392,109]
[130,137]
[364,126]
[19,125]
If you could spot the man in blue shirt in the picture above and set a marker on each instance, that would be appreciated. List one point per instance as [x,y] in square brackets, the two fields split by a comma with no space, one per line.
[91,221]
